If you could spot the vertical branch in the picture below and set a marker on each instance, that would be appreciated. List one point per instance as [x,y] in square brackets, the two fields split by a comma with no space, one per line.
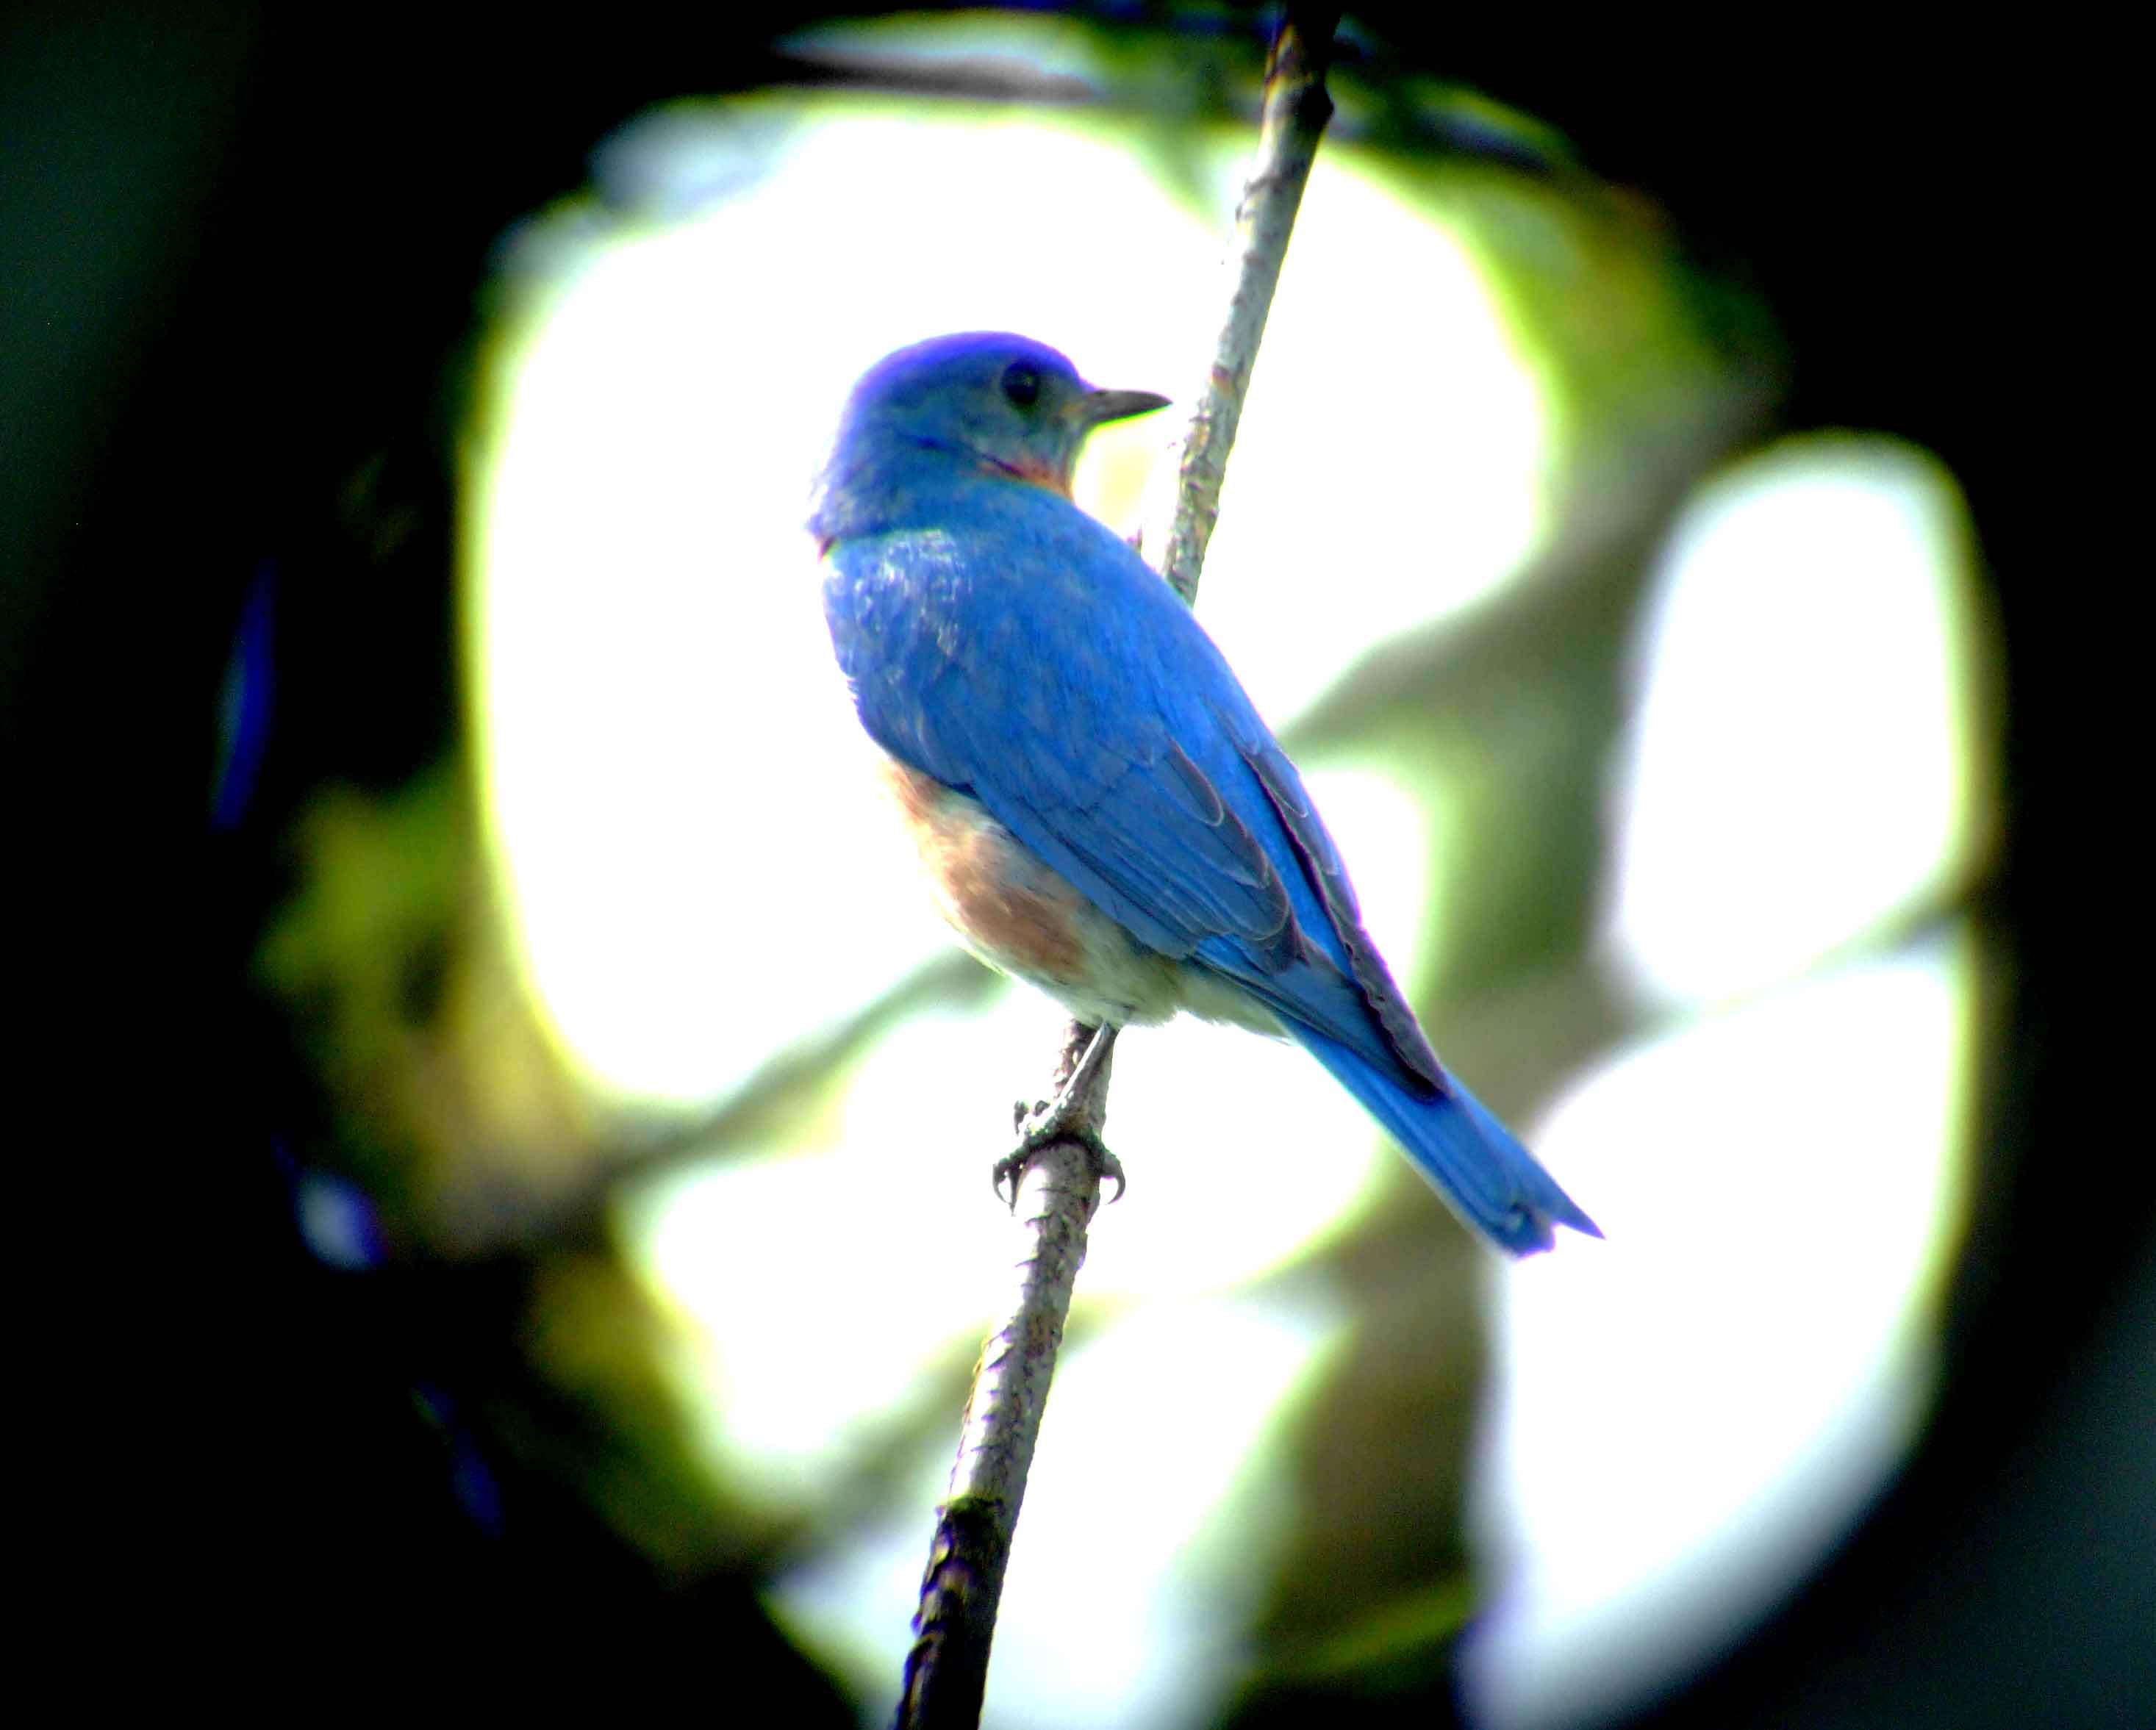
[946,1669]
[1297,108]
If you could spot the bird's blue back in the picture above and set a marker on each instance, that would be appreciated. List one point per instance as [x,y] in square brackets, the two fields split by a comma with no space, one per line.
[1013,647]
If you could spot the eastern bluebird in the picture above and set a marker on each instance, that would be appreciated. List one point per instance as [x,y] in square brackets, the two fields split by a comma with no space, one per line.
[1100,810]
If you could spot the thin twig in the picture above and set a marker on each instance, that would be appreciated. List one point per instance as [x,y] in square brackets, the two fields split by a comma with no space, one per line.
[947,1671]
[1296,110]
[947,1668]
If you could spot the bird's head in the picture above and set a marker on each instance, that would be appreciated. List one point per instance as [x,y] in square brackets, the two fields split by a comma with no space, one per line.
[987,402]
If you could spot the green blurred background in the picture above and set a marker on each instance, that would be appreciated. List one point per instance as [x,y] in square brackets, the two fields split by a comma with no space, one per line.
[563,1212]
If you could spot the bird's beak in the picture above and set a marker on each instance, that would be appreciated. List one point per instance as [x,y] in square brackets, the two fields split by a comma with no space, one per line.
[1097,408]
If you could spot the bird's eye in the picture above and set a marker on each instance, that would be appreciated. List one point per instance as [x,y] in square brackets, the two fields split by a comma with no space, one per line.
[1022,384]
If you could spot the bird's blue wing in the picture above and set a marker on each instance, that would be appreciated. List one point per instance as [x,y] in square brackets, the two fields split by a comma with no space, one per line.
[1021,654]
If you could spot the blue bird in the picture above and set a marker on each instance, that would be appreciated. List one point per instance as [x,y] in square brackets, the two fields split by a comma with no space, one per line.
[1098,806]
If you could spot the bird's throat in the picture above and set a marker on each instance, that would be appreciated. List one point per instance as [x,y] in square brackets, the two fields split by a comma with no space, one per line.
[1033,472]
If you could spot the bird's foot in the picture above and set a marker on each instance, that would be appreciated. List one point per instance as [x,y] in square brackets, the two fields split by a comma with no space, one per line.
[1041,1123]
[1040,1136]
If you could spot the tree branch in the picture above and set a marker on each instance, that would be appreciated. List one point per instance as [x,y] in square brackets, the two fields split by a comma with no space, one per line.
[1296,110]
[946,1669]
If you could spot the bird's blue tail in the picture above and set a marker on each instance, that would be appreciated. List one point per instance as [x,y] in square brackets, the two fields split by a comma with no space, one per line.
[1489,1180]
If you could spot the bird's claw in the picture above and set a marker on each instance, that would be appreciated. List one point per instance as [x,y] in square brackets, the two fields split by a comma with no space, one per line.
[1041,1124]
